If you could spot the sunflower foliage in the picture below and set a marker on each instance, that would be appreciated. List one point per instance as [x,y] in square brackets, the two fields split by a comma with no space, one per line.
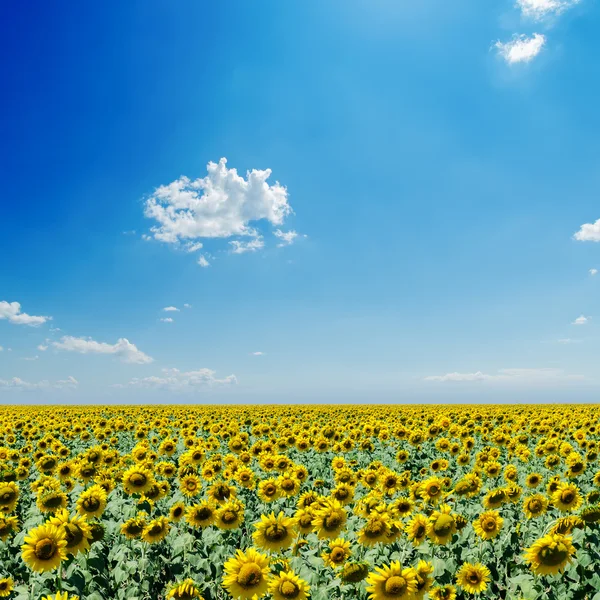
[297,502]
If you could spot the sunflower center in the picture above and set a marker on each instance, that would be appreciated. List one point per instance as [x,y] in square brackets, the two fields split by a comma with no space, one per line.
[91,504]
[228,517]
[250,575]
[567,497]
[138,480]
[288,589]
[434,490]
[287,485]
[419,531]
[270,490]
[73,533]
[337,555]
[53,501]
[489,525]
[554,555]
[275,533]
[7,496]
[473,578]
[443,525]
[45,549]
[332,521]
[395,585]
[156,529]
[374,529]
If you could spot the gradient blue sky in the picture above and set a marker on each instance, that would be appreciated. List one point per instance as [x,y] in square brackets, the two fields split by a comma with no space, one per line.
[439,159]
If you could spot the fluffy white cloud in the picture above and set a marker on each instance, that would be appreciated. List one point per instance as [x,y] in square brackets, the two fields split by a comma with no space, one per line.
[123,348]
[12,312]
[170,309]
[203,262]
[538,9]
[187,306]
[521,48]
[257,353]
[220,205]
[17,383]
[508,376]
[252,246]
[582,320]
[589,232]
[286,237]
[181,381]
[193,246]
[593,272]
[167,320]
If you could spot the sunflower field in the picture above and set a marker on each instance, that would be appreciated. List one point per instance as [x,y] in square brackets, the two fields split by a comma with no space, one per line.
[296,502]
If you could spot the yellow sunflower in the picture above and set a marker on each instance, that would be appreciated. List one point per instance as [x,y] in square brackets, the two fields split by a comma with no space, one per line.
[45,548]
[535,506]
[337,553]
[392,582]
[132,528]
[444,592]
[375,530]
[92,501]
[424,578]
[567,497]
[488,524]
[246,575]
[288,585]
[441,525]
[273,533]
[201,514]
[550,554]
[230,515]
[473,578]
[9,496]
[77,531]
[186,590]
[416,529]
[137,480]
[156,530]
[6,586]
[330,519]
[8,525]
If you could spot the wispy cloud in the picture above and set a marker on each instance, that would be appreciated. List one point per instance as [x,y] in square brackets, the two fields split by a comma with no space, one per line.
[521,48]
[16,383]
[181,381]
[171,309]
[581,320]
[540,9]
[12,312]
[593,272]
[524,376]
[123,349]
[203,262]
[257,353]
[251,246]
[167,320]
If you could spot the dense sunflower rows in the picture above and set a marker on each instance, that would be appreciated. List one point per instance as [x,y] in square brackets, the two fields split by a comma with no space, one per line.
[282,502]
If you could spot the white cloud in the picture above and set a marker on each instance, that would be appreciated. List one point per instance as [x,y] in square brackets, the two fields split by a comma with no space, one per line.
[589,232]
[17,383]
[187,306]
[568,341]
[167,320]
[181,381]
[593,272]
[257,353]
[220,205]
[123,348]
[580,320]
[12,312]
[43,347]
[193,246]
[30,357]
[286,237]
[202,261]
[508,376]
[252,246]
[538,9]
[1,349]
[521,48]
[170,309]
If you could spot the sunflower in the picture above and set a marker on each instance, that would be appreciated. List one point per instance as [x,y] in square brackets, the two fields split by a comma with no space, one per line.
[246,574]
[52,501]
[567,497]
[6,586]
[392,582]
[221,492]
[441,525]
[176,512]
[535,505]
[401,507]
[330,519]
[288,484]
[186,590]
[416,529]
[495,498]
[230,515]
[274,533]
[473,578]
[375,530]
[354,571]
[77,531]
[92,501]
[268,490]
[565,525]
[156,530]
[432,490]
[8,525]
[132,528]
[337,553]
[533,480]
[9,496]
[137,480]
[424,580]
[61,596]
[190,485]
[488,524]
[44,548]
[288,585]
[550,554]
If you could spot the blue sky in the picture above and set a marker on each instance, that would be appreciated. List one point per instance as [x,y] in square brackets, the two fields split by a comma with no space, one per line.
[413,215]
